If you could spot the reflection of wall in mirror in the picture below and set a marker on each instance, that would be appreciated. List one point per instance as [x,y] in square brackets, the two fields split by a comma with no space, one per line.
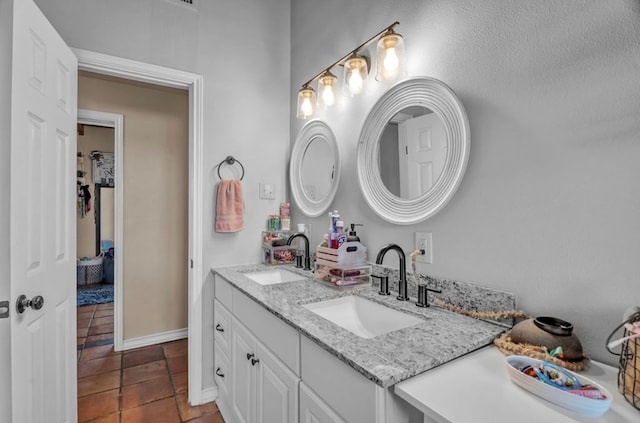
[389,160]
[317,169]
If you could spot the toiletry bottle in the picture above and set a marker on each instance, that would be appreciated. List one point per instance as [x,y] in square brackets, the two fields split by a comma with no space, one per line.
[333,232]
[341,235]
[335,216]
[352,233]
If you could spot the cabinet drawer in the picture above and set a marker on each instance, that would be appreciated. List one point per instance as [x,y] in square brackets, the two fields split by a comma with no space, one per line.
[222,291]
[222,327]
[282,339]
[350,394]
[222,374]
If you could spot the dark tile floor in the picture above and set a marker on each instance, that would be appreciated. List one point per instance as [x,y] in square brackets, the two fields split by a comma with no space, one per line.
[135,386]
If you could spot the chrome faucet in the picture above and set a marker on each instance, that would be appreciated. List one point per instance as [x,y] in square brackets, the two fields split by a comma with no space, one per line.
[402,284]
[307,259]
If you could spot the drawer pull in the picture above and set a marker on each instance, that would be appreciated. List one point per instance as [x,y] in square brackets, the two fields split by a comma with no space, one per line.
[255,361]
[218,372]
[250,356]
[219,328]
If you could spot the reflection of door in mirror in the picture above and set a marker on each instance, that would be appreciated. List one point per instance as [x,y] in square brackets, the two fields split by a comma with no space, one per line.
[318,169]
[425,147]
[413,149]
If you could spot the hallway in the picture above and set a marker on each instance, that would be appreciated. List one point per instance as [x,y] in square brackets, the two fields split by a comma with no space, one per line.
[146,384]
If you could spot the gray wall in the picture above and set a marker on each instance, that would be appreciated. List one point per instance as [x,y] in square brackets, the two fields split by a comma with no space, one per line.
[242,50]
[548,208]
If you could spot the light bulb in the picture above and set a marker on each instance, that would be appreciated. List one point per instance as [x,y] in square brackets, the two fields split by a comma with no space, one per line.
[327,95]
[355,82]
[306,107]
[391,62]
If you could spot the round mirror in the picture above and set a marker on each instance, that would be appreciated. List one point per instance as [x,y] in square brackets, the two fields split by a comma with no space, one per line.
[314,170]
[413,150]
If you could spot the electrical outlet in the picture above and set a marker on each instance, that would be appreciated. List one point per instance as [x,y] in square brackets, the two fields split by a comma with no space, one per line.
[267,191]
[424,241]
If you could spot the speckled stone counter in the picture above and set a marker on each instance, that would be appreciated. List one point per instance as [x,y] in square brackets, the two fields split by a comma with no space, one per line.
[386,359]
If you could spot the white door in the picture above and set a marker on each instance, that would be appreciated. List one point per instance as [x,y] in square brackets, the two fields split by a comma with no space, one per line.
[423,150]
[42,207]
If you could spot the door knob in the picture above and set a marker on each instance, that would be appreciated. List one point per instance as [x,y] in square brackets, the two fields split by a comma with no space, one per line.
[22,303]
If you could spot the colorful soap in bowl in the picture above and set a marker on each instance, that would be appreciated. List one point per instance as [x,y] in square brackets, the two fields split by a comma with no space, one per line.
[559,386]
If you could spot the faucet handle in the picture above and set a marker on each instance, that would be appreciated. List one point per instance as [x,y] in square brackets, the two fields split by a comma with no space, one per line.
[423,291]
[384,284]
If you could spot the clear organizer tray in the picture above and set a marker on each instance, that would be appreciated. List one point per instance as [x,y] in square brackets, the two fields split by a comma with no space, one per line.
[274,248]
[343,276]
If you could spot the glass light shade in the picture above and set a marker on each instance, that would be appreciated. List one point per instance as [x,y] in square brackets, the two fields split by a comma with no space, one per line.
[355,75]
[306,102]
[327,85]
[390,57]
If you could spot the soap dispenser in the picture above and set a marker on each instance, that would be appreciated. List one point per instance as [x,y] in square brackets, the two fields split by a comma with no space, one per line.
[352,233]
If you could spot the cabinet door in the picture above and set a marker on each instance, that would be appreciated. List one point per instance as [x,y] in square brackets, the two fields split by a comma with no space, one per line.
[313,409]
[276,389]
[242,386]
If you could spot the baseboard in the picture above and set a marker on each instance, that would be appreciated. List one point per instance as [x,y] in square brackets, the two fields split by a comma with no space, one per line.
[209,394]
[156,338]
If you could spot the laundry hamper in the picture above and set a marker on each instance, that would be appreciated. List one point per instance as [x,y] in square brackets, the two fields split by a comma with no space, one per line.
[89,271]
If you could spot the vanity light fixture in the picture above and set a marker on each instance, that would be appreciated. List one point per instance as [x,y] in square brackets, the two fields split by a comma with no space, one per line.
[390,65]
[306,102]
[356,70]
[390,56]
[327,84]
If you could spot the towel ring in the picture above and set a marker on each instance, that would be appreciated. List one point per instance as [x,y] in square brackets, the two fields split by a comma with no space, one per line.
[230,160]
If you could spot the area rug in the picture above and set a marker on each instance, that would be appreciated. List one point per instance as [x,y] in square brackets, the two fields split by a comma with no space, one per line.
[95,294]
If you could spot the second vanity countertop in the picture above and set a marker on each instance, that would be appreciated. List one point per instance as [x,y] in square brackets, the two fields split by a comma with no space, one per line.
[386,359]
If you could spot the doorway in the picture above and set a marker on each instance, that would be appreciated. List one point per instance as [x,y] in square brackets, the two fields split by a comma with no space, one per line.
[129,69]
[95,223]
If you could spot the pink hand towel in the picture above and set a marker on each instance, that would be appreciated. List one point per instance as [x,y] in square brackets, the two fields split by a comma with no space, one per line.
[230,206]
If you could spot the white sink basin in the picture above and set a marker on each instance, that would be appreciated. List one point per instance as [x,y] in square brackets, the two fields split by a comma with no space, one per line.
[363,317]
[272,276]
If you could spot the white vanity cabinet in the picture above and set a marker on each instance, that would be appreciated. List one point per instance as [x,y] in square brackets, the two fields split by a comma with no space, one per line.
[264,389]
[267,372]
[257,360]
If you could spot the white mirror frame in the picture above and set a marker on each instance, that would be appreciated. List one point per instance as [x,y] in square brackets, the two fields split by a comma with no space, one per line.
[438,97]
[312,130]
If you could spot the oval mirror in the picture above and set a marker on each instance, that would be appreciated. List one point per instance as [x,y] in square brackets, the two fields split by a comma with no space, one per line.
[314,170]
[413,150]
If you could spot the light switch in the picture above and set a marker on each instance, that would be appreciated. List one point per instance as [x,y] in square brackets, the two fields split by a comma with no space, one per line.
[267,191]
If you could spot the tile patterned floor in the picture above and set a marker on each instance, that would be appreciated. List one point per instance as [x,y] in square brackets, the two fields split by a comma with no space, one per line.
[136,386]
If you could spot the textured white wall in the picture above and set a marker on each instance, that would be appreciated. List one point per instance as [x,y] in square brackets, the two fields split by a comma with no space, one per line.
[548,208]
[242,50]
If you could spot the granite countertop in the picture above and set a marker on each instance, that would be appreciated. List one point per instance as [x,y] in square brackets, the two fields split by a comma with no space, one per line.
[386,359]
